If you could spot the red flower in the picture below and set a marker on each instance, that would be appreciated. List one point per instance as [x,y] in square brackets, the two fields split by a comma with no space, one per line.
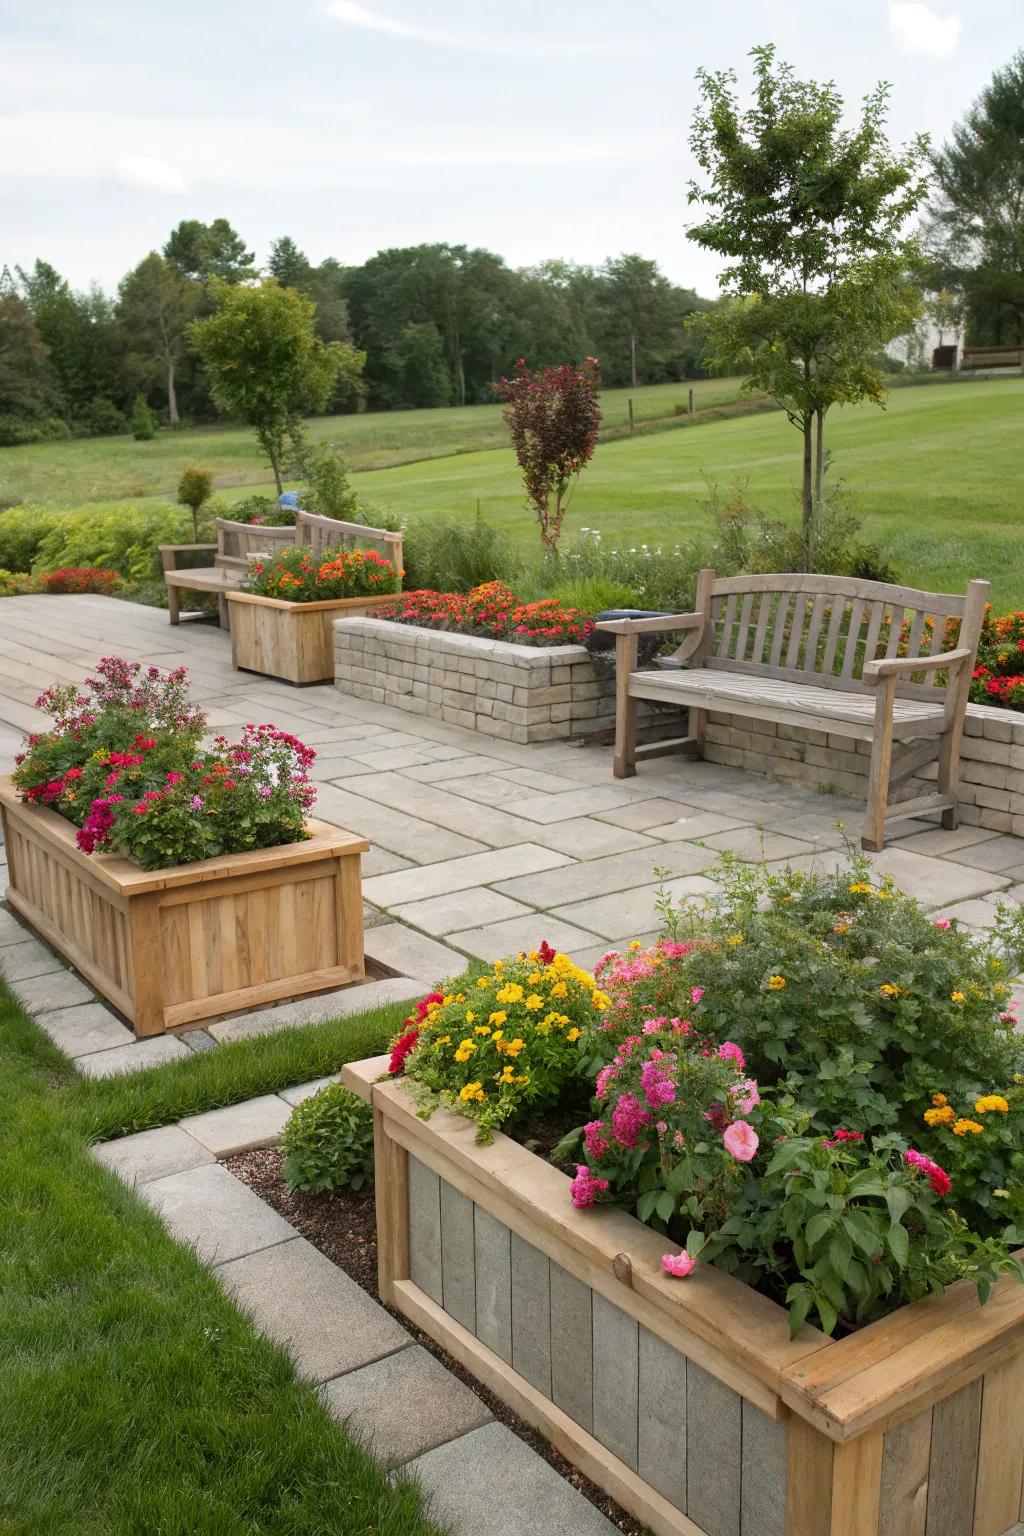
[401,1049]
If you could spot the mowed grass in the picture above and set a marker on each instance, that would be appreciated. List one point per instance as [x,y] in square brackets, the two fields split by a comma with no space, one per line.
[116,468]
[134,1397]
[937,476]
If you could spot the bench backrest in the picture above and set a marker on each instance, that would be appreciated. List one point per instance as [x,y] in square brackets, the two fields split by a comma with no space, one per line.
[319,533]
[237,541]
[822,629]
[992,357]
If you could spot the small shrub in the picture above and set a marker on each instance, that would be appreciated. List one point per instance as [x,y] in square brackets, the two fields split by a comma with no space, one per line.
[328,1143]
[23,531]
[194,489]
[300,576]
[264,511]
[143,422]
[117,535]
[80,579]
[553,417]
[441,555]
[99,418]
[328,492]
[747,541]
[659,576]
[16,583]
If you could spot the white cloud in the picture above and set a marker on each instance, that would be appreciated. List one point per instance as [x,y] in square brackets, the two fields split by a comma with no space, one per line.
[354,15]
[922,30]
[144,172]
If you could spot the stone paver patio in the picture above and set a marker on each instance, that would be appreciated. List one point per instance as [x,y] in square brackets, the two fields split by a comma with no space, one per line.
[478,847]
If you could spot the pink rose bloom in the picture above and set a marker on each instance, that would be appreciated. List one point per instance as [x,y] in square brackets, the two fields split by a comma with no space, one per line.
[730,1051]
[678,1264]
[741,1140]
[696,994]
[745,1096]
[942,922]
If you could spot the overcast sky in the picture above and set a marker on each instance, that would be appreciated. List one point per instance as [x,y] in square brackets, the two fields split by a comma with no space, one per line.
[536,128]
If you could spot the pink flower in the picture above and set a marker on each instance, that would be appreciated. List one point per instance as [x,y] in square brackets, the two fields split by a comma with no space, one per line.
[741,1140]
[585,1188]
[942,922]
[678,1264]
[696,995]
[653,1026]
[628,1120]
[596,1141]
[604,1077]
[729,1051]
[745,1096]
[938,1178]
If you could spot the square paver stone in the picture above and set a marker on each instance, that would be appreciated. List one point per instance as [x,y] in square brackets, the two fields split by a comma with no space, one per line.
[491,1481]
[753,843]
[998,854]
[303,1091]
[209,1208]
[57,989]
[636,909]
[460,874]
[405,1405]
[152,1154]
[587,838]
[340,1004]
[20,962]
[135,1057]
[253,1123]
[936,881]
[571,803]
[497,940]
[422,959]
[85,1029]
[327,1322]
[445,914]
[11,930]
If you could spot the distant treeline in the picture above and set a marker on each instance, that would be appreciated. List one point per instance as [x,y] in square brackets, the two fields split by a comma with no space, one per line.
[438,324]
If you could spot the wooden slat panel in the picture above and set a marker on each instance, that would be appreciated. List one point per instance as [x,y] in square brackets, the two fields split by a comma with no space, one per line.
[779,631]
[956,1426]
[905,1463]
[846,588]
[876,613]
[726,634]
[800,609]
[743,634]
[458,1268]
[857,1486]
[616,1380]
[493,1267]
[813,632]
[661,1430]
[851,651]
[1001,1450]
[916,631]
[531,1314]
[425,1230]
[763,1474]
[892,643]
[714,1438]
[828,661]
[572,1347]
[764,613]
[808,1481]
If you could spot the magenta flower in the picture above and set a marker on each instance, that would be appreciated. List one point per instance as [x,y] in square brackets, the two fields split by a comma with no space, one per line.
[585,1188]
[678,1264]
[741,1140]
[628,1120]
[595,1139]
[729,1051]
[696,995]
[745,1096]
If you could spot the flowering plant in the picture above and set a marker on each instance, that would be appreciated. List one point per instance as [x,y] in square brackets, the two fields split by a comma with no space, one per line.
[495,1042]
[999,670]
[123,762]
[79,578]
[491,610]
[298,575]
[553,417]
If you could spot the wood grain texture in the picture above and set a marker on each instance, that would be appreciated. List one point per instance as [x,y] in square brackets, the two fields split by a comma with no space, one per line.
[763,1470]
[857,1486]
[906,1459]
[531,1314]
[1001,1450]
[616,1379]
[572,1347]
[661,1448]
[292,641]
[391,1197]
[176,946]
[953,1475]
[458,1260]
[808,1481]
[493,1265]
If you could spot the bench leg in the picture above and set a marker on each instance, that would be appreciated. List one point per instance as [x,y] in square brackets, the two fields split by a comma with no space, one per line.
[625,707]
[873,837]
[222,611]
[697,729]
[949,774]
[173,605]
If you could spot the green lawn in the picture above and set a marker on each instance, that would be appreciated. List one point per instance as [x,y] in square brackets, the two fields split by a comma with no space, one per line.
[115,468]
[938,477]
[134,1397]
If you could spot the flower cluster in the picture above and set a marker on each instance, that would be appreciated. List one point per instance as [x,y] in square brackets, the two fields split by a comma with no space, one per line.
[493,611]
[999,672]
[79,578]
[300,575]
[125,764]
[495,1042]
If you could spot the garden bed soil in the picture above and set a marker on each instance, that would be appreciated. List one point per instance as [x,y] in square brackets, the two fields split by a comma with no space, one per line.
[343,1226]
[153,941]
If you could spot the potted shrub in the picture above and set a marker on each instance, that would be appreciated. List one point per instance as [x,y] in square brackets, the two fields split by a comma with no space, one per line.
[777,1292]
[281,620]
[183,881]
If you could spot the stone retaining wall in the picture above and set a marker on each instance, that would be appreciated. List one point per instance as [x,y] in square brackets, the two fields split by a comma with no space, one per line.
[991,764]
[521,693]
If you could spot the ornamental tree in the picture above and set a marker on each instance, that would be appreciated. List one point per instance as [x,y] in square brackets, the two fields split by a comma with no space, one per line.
[553,415]
[810,215]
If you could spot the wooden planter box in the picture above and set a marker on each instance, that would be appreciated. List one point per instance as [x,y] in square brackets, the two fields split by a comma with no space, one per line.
[686,1399]
[170,947]
[292,641]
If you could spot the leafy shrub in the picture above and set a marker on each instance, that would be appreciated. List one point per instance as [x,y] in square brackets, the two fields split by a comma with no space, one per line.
[22,531]
[594,593]
[748,541]
[300,576]
[658,576]
[15,583]
[999,670]
[262,510]
[124,763]
[80,579]
[445,556]
[99,418]
[16,431]
[328,492]
[500,1040]
[194,489]
[143,422]
[117,535]
[328,1142]
[492,611]
[553,417]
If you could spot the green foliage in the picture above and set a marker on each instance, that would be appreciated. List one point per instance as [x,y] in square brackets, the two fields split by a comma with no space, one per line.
[747,541]
[194,488]
[23,531]
[659,575]
[328,492]
[204,251]
[265,363]
[444,556]
[27,392]
[118,535]
[328,1142]
[155,305]
[297,575]
[143,422]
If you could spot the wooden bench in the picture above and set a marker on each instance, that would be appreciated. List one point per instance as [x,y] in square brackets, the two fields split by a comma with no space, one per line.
[991,357]
[238,543]
[853,658]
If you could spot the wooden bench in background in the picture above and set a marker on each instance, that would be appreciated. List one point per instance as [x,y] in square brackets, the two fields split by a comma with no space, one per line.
[853,658]
[991,357]
[238,543]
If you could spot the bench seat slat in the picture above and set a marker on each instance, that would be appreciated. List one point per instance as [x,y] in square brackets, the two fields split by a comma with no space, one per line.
[711,688]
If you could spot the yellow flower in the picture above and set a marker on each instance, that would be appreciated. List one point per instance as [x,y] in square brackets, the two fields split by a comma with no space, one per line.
[472,1091]
[634,945]
[483,981]
[512,1047]
[481,1029]
[499,965]
[470,1015]
[511,992]
[442,1040]
[882,895]
[943,1116]
[734,938]
[534,1003]
[509,1077]
[497,1019]
[888,990]
[939,1100]
[992,1101]
[573,1035]
[861,888]
[958,997]
[559,989]
[776,983]
[534,979]
[841,928]
[967,1127]
[465,1050]
[600,1001]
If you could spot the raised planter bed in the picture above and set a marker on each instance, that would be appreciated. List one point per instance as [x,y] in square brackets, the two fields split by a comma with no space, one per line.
[687,1400]
[292,641]
[171,947]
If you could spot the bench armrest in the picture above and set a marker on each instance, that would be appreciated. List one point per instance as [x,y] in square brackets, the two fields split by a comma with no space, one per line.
[169,553]
[875,671]
[652,626]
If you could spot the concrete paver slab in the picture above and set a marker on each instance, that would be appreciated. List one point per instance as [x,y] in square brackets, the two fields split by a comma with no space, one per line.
[496,940]
[445,914]
[20,962]
[238,1127]
[219,1216]
[152,1154]
[405,1404]
[340,1004]
[417,884]
[85,1029]
[136,1057]
[420,959]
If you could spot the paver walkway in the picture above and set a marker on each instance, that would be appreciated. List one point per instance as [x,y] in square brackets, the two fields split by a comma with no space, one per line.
[479,847]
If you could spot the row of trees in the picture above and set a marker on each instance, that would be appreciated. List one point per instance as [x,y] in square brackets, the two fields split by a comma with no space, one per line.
[437,324]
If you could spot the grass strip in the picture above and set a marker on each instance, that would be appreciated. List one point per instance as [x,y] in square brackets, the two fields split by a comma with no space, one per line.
[134,1396]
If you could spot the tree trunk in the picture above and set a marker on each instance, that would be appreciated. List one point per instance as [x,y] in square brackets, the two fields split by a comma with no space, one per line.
[807,491]
[172,398]
[632,360]
[275,465]
[460,380]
